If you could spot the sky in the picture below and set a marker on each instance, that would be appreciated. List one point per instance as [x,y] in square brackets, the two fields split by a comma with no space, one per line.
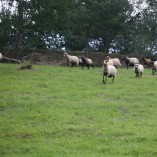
[138,7]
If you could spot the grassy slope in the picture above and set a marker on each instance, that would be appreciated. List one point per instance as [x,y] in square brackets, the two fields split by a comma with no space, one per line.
[61,111]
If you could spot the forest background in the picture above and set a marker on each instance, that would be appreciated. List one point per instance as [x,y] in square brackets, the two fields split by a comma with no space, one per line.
[110,26]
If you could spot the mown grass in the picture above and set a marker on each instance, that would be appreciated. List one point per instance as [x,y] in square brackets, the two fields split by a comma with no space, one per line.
[68,112]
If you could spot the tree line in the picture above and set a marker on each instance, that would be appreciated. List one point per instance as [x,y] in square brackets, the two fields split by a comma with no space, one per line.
[116,26]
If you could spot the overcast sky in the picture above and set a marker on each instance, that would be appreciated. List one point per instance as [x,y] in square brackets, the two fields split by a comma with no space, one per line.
[138,7]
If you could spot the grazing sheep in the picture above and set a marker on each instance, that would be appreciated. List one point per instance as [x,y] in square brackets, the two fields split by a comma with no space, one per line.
[130,61]
[139,70]
[87,62]
[147,62]
[71,60]
[116,61]
[1,56]
[108,71]
[154,68]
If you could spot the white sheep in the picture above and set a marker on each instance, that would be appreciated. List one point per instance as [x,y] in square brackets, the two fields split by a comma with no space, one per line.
[113,61]
[1,56]
[130,61]
[109,62]
[71,60]
[108,71]
[154,68]
[138,69]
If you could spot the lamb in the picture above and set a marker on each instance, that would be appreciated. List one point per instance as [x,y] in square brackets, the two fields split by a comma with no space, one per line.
[87,62]
[114,61]
[130,61]
[108,71]
[71,60]
[154,68]
[138,69]
[1,56]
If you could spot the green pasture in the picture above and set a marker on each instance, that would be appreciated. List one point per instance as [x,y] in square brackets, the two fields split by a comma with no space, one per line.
[53,111]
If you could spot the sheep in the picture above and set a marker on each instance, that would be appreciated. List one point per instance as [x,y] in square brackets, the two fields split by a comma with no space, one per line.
[154,68]
[71,60]
[80,62]
[1,56]
[114,61]
[147,62]
[87,62]
[109,61]
[108,71]
[138,69]
[130,61]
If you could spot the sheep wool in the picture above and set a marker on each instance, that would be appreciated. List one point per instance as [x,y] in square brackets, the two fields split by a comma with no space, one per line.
[71,60]
[1,56]
[138,69]
[113,61]
[154,68]
[108,71]
[130,61]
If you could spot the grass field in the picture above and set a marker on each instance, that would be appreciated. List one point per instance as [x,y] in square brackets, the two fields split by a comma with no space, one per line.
[54,111]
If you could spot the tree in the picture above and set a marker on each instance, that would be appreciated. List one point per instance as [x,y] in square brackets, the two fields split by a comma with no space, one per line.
[142,28]
[98,19]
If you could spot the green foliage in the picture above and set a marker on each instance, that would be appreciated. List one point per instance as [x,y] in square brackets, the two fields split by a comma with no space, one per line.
[80,22]
[143,29]
[5,26]
[62,111]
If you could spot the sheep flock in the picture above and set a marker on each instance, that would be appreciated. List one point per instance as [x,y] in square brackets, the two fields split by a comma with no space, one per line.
[110,65]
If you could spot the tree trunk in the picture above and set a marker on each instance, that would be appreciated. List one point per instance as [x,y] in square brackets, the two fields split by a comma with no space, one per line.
[106,42]
[19,42]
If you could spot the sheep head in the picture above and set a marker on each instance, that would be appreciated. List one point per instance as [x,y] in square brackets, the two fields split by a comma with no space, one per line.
[65,54]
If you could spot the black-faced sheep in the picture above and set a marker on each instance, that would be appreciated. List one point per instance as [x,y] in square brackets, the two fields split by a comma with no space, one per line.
[154,68]
[87,62]
[108,71]
[130,61]
[71,60]
[138,69]
[114,61]
[147,62]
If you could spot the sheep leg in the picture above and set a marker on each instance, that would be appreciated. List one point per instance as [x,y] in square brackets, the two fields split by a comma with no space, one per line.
[137,75]
[141,75]
[67,63]
[112,79]
[153,71]
[104,81]
[127,66]
[71,65]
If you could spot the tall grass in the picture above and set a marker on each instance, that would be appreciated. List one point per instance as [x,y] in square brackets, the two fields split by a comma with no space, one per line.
[68,112]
